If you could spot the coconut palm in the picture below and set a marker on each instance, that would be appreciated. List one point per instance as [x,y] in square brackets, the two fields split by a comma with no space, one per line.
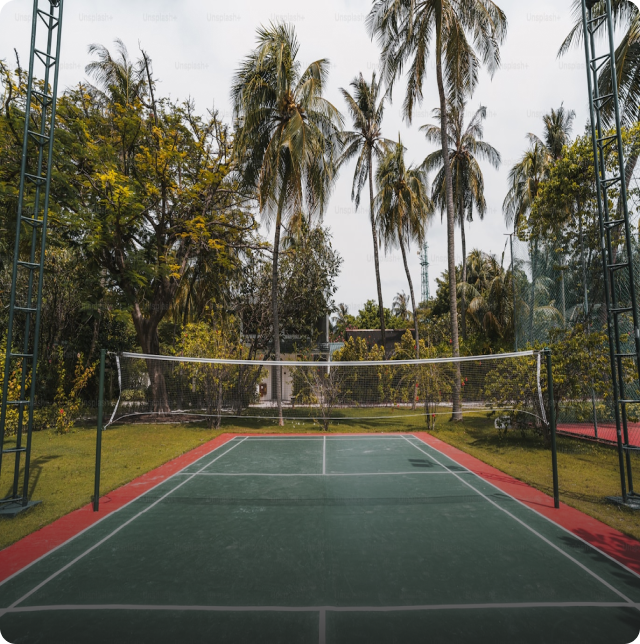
[401,306]
[464,34]
[287,140]
[626,17]
[526,176]
[118,79]
[557,130]
[489,287]
[466,149]
[365,141]
[341,315]
[403,210]
[524,180]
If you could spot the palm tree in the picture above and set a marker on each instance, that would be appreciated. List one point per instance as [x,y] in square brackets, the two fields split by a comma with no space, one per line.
[119,79]
[557,130]
[465,34]
[626,16]
[526,176]
[524,180]
[491,304]
[120,83]
[365,142]
[341,317]
[466,148]
[401,306]
[403,210]
[287,140]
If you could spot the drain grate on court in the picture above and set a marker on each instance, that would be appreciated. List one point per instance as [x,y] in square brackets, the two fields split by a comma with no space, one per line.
[323,540]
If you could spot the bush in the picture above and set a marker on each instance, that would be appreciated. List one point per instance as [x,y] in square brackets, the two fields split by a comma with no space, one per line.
[579,360]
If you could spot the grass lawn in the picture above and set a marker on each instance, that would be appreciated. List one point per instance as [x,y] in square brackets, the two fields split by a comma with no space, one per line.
[587,472]
[63,466]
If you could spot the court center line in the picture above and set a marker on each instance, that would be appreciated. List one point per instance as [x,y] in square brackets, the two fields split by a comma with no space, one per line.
[314,609]
[179,473]
[542,516]
[124,525]
[528,527]
[324,456]
[322,619]
[112,514]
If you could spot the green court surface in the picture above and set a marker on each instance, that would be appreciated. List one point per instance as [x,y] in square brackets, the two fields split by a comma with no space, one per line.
[323,540]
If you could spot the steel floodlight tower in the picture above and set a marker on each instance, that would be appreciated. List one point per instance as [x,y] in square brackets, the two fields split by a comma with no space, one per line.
[424,263]
[615,230]
[23,332]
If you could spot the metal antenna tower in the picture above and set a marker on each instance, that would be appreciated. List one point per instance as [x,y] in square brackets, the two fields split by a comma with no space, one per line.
[615,234]
[424,262]
[23,332]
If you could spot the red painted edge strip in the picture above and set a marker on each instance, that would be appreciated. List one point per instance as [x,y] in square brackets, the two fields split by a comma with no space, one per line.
[624,549]
[606,432]
[620,547]
[24,552]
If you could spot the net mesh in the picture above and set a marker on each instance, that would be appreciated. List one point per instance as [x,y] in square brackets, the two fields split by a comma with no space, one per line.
[505,387]
[557,288]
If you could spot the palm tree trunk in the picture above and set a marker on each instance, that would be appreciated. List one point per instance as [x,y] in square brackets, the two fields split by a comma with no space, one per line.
[453,298]
[413,297]
[274,302]
[415,312]
[376,257]
[532,304]
[463,302]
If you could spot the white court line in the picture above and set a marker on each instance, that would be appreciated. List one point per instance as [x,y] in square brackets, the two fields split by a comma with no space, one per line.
[316,609]
[118,529]
[521,522]
[388,437]
[324,456]
[322,619]
[524,505]
[126,505]
[111,514]
[266,439]
[413,473]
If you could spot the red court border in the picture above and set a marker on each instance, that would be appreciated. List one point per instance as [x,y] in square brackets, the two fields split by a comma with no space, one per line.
[620,547]
[34,546]
[14,558]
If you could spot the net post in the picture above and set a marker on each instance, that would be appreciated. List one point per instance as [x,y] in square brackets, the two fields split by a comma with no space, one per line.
[96,488]
[552,427]
[513,286]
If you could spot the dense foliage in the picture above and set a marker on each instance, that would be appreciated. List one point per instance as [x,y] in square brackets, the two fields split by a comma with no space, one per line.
[155,242]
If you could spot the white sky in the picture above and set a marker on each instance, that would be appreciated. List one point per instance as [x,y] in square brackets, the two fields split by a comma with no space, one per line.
[196,46]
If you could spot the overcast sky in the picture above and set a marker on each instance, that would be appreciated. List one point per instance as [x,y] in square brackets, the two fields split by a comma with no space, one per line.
[196,46]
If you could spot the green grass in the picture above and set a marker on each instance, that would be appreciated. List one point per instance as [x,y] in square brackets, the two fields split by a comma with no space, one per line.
[588,472]
[63,466]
